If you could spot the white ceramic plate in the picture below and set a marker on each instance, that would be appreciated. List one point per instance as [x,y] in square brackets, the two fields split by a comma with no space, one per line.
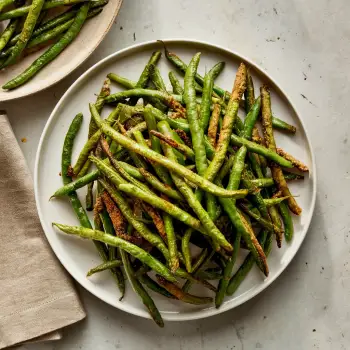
[75,54]
[78,255]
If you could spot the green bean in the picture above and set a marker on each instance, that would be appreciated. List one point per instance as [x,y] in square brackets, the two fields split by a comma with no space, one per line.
[258,218]
[296,163]
[128,84]
[105,266]
[75,185]
[187,151]
[105,91]
[251,119]
[155,287]
[92,142]
[68,146]
[243,270]
[226,168]
[131,170]
[156,78]
[282,125]
[163,188]
[255,148]
[152,125]
[210,275]
[52,23]
[208,84]
[140,227]
[256,197]
[144,231]
[6,35]
[228,122]
[176,61]
[117,273]
[226,276]
[226,131]
[144,77]
[287,221]
[171,165]
[274,201]
[292,176]
[140,291]
[199,263]
[179,294]
[234,181]
[5,3]
[47,36]
[186,191]
[177,88]
[276,171]
[197,132]
[174,123]
[23,11]
[237,168]
[162,204]
[115,241]
[28,28]
[185,248]
[146,93]
[213,125]
[247,233]
[263,182]
[172,246]
[120,169]
[52,52]
[77,207]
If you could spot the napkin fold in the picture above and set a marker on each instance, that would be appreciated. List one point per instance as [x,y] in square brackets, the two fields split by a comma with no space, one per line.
[37,298]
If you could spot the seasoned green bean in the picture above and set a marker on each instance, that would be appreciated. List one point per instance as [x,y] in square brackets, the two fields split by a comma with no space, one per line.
[132,249]
[208,84]
[140,290]
[177,88]
[51,53]
[28,28]
[277,173]
[179,294]
[105,266]
[171,165]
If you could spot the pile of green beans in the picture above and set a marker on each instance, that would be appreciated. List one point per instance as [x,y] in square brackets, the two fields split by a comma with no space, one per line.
[41,27]
[166,186]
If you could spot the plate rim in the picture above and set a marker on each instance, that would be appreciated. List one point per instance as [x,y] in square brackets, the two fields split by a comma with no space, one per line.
[204,313]
[70,70]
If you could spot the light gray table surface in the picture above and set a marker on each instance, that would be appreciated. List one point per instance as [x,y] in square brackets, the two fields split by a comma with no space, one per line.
[304,45]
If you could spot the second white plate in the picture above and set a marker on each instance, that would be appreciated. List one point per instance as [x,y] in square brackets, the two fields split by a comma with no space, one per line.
[75,54]
[78,255]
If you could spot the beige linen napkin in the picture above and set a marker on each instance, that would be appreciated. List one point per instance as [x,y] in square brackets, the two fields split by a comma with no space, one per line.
[37,298]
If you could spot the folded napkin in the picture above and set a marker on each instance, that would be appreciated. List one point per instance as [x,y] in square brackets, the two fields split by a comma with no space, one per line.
[37,298]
